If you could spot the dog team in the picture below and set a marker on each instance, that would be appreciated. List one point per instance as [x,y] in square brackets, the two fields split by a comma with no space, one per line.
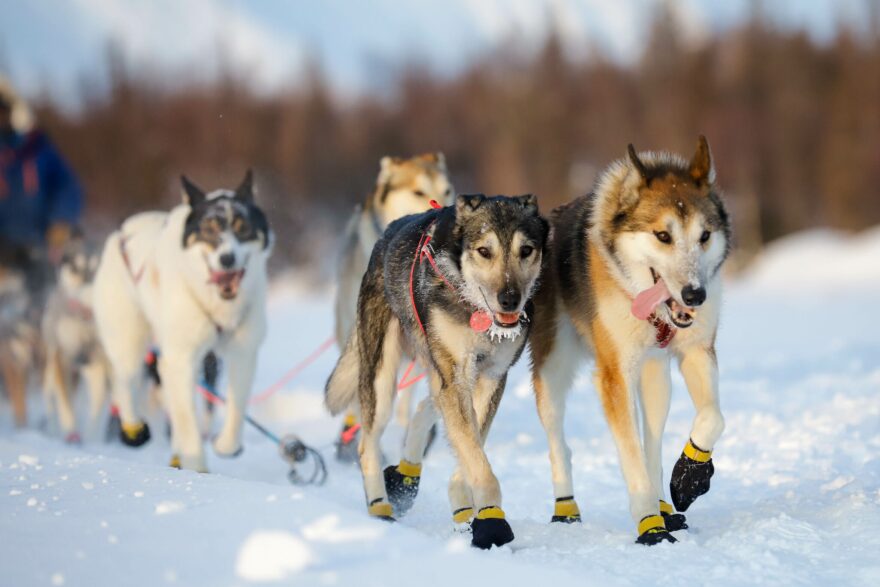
[627,276]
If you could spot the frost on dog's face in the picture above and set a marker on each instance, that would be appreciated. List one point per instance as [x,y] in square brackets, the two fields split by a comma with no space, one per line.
[407,186]
[502,242]
[224,230]
[674,229]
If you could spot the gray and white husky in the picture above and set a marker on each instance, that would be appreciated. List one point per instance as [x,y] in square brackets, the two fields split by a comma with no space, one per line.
[192,280]
[70,338]
[632,279]
[451,287]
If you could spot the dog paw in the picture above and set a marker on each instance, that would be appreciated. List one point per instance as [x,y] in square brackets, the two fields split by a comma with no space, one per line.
[347,444]
[674,521]
[174,463]
[381,509]
[566,511]
[652,530]
[690,476]
[490,529]
[402,485]
[192,463]
[134,435]
[227,449]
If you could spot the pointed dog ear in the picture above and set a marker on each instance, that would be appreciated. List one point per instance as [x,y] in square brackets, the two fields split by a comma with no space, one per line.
[701,169]
[192,195]
[529,202]
[637,164]
[467,203]
[245,191]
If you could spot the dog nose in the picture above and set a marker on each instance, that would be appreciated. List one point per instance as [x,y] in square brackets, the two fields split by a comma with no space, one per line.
[227,260]
[693,296]
[508,300]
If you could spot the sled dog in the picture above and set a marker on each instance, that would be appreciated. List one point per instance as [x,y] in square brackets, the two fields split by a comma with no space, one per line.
[632,279]
[403,186]
[70,339]
[192,280]
[452,288]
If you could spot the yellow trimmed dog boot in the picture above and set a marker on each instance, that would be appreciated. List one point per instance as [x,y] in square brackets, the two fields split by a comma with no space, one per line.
[566,510]
[347,442]
[489,528]
[652,530]
[379,508]
[690,476]
[462,519]
[174,463]
[674,521]
[136,434]
[402,485]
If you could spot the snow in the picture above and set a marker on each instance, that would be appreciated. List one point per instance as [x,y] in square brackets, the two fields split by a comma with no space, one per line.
[795,498]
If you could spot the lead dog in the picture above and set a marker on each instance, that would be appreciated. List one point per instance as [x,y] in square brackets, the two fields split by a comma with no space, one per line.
[630,265]
[192,280]
[452,288]
[403,186]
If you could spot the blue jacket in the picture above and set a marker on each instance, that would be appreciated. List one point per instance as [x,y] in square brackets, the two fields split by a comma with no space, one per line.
[37,189]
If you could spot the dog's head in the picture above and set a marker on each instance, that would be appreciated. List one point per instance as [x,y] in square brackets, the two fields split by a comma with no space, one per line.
[502,241]
[224,231]
[407,186]
[76,271]
[665,220]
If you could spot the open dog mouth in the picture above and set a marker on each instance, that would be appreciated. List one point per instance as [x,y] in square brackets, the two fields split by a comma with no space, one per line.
[227,281]
[507,319]
[646,302]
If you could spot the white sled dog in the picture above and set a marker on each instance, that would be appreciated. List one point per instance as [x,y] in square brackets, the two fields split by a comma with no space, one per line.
[71,342]
[192,280]
[632,278]
[403,186]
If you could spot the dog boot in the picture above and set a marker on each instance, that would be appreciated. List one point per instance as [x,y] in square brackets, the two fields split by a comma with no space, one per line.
[174,463]
[379,508]
[674,521]
[490,528]
[402,485]
[461,518]
[347,443]
[566,510]
[690,476]
[652,530]
[134,434]
[114,426]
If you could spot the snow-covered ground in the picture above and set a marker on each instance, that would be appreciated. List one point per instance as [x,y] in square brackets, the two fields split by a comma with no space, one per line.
[795,499]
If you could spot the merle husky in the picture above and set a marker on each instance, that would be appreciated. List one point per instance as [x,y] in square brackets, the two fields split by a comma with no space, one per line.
[451,287]
[192,280]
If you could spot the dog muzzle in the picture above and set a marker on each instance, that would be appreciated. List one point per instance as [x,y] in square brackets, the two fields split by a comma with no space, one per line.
[228,282]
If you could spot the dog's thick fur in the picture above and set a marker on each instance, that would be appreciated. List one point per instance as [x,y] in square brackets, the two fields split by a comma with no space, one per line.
[71,341]
[19,339]
[192,280]
[489,249]
[403,187]
[605,248]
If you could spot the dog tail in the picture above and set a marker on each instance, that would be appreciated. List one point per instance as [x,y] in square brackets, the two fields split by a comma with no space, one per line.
[342,385]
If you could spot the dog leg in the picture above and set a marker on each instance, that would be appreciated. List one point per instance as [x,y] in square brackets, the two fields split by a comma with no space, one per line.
[467,429]
[378,383]
[63,389]
[15,378]
[615,380]
[242,361]
[655,388]
[402,481]
[178,367]
[95,375]
[694,469]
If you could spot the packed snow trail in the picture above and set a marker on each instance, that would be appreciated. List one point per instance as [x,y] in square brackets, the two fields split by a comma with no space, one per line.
[795,498]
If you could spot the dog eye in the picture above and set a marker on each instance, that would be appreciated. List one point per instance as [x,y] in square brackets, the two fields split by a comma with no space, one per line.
[419,193]
[705,236]
[448,191]
[484,252]
[663,237]
[525,251]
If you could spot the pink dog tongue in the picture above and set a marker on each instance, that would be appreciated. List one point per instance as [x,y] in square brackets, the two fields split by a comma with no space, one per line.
[644,304]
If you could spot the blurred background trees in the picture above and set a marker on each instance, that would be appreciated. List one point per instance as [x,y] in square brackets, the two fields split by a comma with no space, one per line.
[794,125]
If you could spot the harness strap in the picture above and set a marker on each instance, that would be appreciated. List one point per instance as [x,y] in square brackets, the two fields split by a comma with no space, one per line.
[135,275]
